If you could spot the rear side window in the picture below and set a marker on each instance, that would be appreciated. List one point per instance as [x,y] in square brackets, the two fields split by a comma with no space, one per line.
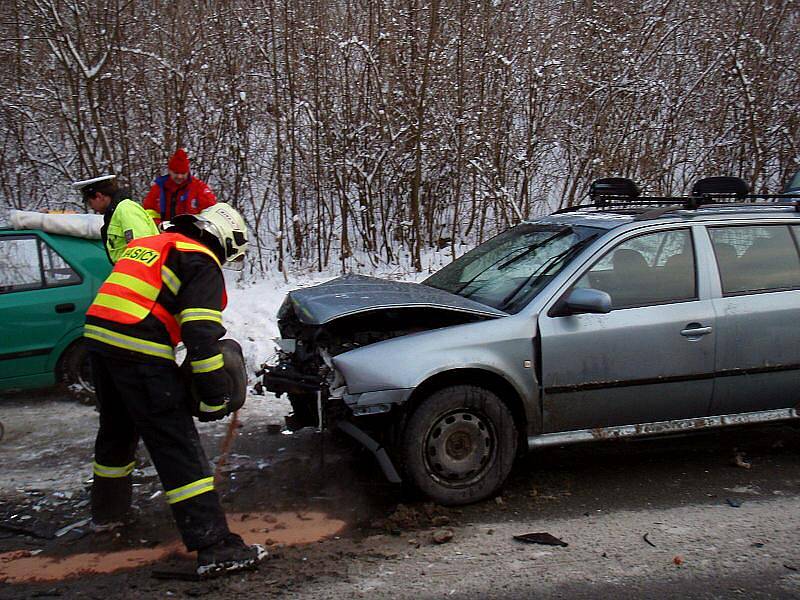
[56,270]
[754,259]
[20,265]
[655,268]
[27,263]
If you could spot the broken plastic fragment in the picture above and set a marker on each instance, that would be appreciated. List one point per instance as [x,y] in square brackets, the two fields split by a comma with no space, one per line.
[540,538]
[68,528]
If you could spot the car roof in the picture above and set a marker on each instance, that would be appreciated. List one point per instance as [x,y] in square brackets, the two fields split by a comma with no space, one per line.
[612,218]
[617,201]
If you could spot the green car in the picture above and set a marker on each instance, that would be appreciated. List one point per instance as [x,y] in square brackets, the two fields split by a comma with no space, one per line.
[47,283]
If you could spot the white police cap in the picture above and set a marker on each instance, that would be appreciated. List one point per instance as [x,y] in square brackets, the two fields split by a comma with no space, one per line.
[79,185]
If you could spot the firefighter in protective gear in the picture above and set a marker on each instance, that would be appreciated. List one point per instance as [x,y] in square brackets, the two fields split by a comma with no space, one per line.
[123,219]
[166,289]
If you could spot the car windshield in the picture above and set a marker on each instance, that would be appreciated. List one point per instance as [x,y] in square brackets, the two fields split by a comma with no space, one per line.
[510,269]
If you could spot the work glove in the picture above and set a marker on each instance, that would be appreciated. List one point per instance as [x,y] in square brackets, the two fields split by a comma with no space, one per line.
[214,409]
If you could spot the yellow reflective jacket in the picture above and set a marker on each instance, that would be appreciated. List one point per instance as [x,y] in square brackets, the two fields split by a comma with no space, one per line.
[124,220]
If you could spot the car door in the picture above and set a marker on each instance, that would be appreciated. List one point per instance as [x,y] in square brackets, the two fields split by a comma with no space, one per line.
[41,297]
[651,358]
[758,317]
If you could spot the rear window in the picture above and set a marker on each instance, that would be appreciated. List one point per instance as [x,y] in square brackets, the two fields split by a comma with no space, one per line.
[754,259]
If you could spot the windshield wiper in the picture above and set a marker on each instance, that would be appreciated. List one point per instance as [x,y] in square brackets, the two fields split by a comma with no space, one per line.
[529,249]
[535,277]
[534,247]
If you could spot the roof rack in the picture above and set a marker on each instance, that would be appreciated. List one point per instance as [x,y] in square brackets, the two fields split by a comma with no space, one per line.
[622,195]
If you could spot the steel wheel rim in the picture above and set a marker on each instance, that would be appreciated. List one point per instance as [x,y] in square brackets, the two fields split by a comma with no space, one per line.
[459,447]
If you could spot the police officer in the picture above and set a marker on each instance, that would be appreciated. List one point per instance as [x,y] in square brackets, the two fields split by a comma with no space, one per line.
[165,289]
[123,219]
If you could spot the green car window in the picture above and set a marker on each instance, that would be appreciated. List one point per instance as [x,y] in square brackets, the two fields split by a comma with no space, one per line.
[20,265]
[56,270]
[28,263]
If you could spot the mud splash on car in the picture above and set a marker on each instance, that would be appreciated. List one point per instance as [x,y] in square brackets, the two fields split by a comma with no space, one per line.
[265,528]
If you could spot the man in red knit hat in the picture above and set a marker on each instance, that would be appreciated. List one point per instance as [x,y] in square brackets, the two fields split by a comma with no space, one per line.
[178,192]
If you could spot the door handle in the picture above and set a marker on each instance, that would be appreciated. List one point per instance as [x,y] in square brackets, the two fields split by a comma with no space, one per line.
[696,330]
[65,308]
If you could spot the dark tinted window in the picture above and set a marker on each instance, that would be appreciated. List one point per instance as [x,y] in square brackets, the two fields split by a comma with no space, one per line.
[756,259]
[650,269]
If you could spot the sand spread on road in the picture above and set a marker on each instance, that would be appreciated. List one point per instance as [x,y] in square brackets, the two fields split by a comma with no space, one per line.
[268,529]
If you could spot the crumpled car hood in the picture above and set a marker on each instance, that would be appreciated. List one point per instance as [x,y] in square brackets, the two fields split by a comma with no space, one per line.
[353,294]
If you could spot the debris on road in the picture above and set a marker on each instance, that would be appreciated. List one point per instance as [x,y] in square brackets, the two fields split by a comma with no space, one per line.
[409,518]
[732,502]
[739,461]
[677,560]
[33,531]
[644,537]
[442,536]
[65,530]
[540,538]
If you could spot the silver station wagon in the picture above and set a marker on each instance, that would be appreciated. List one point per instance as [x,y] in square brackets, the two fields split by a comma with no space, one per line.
[630,316]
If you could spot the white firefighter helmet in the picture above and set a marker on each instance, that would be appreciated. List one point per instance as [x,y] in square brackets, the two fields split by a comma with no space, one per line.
[227,225]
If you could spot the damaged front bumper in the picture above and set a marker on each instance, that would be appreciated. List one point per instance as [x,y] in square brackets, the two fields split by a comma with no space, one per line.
[377,402]
[316,404]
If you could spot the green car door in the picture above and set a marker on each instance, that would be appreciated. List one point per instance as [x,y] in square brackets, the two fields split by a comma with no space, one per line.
[47,282]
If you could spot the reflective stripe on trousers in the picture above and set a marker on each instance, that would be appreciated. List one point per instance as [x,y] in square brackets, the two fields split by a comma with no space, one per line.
[190,490]
[112,472]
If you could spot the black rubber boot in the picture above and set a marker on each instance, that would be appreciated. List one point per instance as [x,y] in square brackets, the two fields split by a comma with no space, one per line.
[229,555]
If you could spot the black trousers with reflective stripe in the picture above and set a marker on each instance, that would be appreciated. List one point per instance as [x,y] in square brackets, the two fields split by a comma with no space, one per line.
[149,401]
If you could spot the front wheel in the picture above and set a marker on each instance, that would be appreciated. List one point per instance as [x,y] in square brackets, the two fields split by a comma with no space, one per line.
[459,445]
[75,372]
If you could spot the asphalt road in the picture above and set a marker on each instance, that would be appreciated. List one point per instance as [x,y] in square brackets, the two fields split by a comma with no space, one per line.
[714,527]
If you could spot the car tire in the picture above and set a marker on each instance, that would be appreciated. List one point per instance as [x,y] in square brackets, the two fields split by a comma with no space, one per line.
[75,373]
[459,445]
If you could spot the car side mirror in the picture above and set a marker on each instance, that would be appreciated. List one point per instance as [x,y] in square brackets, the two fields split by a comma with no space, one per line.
[587,300]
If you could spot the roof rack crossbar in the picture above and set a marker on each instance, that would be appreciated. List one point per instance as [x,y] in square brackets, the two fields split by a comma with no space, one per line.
[658,212]
[684,202]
